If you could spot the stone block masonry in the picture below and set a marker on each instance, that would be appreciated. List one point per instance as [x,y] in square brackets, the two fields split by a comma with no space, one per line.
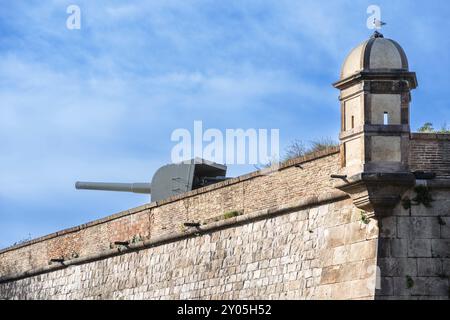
[271,254]
[297,179]
[414,250]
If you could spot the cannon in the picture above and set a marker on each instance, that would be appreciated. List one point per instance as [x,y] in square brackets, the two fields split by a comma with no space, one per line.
[169,180]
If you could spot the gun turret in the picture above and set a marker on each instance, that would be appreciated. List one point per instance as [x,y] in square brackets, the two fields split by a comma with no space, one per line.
[169,180]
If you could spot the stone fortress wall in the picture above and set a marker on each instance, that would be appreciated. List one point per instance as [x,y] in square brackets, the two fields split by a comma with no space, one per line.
[295,237]
[414,243]
[414,248]
[296,180]
[293,231]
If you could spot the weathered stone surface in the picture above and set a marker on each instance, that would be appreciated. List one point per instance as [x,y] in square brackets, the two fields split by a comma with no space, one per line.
[444,222]
[429,267]
[336,236]
[260,259]
[417,265]
[418,227]
[446,267]
[384,248]
[399,248]
[430,286]
[389,227]
[394,267]
[401,286]
[418,248]
[386,287]
[440,248]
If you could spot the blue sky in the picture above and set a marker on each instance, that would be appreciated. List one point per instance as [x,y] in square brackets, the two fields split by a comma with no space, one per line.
[100,103]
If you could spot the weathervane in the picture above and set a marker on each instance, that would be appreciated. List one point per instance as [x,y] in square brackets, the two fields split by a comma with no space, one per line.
[378,24]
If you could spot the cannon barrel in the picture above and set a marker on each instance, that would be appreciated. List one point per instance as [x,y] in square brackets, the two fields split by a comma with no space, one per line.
[144,188]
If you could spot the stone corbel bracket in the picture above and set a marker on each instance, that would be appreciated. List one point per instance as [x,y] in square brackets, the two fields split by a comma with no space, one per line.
[377,193]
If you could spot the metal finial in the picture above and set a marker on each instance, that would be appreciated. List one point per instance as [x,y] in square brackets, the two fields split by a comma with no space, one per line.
[377,34]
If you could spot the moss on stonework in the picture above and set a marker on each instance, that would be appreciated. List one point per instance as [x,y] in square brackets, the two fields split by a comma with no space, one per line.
[441,221]
[423,196]
[409,282]
[231,214]
[364,218]
[406,203]
[136,238]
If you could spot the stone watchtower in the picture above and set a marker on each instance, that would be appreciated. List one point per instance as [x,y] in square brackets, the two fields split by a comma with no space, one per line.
[375,93]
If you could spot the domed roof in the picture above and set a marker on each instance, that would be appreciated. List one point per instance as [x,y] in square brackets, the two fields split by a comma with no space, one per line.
[375,54]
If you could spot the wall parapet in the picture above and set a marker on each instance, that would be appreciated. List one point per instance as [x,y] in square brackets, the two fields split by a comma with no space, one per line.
[430,136]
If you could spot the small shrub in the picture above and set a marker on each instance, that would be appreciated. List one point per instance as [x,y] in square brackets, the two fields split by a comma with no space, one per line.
[423,196]
[409,282]
[136,238]
[406,203]
[231,214]
[297,148]
[364,218]
[428,128]
[22,241]
[321,145]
